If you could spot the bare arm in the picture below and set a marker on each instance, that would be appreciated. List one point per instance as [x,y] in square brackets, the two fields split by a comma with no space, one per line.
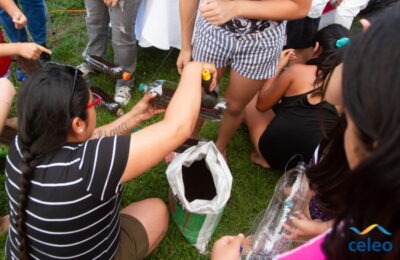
[151,144]
[29,50]
[187,12]
[274,88]
[218,12]
[6,97]
[142,111]
[12,10]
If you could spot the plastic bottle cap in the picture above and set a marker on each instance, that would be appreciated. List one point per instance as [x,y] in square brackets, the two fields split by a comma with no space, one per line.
[126,76]
[142,87]
[206,75]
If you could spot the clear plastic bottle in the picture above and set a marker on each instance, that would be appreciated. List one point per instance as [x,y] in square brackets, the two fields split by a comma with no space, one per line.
[166,89]
[290,196]
[99,64]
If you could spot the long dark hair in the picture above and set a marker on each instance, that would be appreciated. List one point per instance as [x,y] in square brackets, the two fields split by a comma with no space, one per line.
[371,91]
[46,108]
[326,177]
[331,55]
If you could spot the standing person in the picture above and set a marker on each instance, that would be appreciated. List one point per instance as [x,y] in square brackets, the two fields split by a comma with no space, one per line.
[64,176]
[13,21]
[245,35]
[122,15]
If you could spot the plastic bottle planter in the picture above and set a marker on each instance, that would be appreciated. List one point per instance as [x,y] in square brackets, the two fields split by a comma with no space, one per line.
[107,102]
[166,89]
[290,196]
[101,65]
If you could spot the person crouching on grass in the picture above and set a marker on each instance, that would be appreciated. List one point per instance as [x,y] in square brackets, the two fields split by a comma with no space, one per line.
[64,185]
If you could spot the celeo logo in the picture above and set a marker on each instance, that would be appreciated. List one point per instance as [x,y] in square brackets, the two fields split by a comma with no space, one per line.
[369,245]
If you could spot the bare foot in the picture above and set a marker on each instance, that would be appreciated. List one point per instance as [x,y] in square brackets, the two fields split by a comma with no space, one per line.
[4,224]
[257,159]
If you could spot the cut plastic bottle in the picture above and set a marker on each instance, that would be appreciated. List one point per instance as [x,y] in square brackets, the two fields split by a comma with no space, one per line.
[99,64]
[165,91]
[290,196]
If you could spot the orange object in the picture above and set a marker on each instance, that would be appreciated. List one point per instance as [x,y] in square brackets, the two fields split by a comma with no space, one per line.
[126,76]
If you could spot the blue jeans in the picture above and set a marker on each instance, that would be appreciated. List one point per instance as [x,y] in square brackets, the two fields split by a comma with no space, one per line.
[34,11]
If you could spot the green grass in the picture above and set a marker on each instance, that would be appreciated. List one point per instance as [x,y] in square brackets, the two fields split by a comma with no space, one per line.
[252,186]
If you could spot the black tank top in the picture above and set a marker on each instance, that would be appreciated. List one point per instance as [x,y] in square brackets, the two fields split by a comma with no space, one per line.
[297,129]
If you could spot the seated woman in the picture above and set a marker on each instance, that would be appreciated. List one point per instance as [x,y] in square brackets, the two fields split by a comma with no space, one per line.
[371,189]
[288,118]
[64,186]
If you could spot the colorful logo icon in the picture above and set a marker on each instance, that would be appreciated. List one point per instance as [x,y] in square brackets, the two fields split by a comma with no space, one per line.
[370,245]
[368,229]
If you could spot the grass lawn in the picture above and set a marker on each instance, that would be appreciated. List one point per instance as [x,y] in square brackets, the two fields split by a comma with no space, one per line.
[252,185]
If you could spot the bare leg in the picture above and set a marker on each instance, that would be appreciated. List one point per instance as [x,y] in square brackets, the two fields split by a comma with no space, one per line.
[200,121]
[257,122]
[153,214]
[239,93]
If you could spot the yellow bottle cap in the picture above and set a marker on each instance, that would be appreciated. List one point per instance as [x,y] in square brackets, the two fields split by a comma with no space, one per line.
[206,75]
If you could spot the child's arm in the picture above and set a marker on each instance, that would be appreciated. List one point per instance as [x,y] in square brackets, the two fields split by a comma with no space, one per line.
[218,12]
[7,93]
[187,11]
[274,88]
[27,50]
[12,10]
[305,227]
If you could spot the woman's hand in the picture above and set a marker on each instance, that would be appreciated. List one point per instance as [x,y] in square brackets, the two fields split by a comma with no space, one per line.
[30,50]
[304,227]
[218,12]
[19,20]
[194,69]
[185,56]
[144,109]
[286,55]
[214,75]
[227,248]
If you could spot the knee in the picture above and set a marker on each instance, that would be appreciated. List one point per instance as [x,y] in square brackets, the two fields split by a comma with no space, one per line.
[160,210]
[123,35]
[234,109]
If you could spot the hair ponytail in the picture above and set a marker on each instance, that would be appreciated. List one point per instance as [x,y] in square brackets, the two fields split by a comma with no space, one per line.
[27,166]
[331,55]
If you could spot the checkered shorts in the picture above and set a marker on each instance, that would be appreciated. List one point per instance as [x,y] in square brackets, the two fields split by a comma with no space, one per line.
[254,56]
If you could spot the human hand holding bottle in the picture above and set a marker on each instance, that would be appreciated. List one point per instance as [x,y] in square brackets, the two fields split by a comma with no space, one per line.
[227,248]
[304,227]
[144,109]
